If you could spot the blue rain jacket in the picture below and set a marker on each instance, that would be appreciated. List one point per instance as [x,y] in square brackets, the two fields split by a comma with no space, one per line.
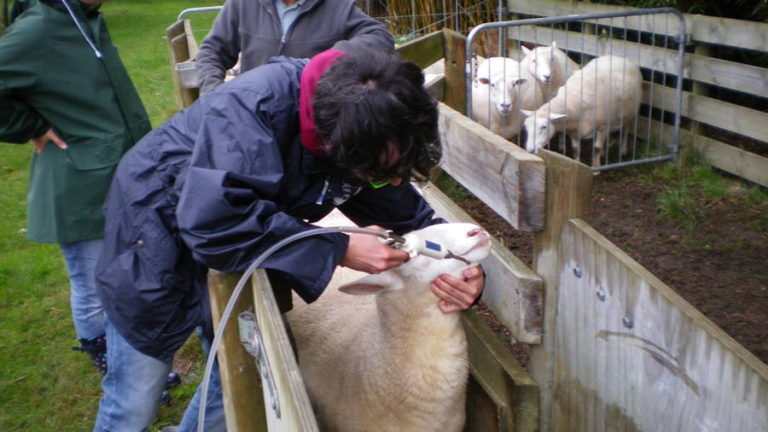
[215,186]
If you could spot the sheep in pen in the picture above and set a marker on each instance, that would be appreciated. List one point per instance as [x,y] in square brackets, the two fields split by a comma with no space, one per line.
[581,84]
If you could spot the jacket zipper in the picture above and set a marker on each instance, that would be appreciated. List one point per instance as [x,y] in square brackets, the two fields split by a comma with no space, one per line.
[287,32]
[82,30]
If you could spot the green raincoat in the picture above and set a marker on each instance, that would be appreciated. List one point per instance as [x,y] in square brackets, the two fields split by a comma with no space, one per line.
[56,74]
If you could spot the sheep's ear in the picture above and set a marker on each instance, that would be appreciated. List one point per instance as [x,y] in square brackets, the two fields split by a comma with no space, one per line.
[371,284]
[555,116]
[526,50]
[527,113]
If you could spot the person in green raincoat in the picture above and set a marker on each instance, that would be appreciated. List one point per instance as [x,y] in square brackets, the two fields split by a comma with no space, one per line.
[64,89]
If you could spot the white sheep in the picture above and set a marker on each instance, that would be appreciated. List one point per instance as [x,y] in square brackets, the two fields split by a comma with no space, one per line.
[393,361]
[500,90]
[550,66]
[601,98]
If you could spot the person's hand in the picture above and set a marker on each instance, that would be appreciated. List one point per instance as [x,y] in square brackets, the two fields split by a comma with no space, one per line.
[458,294]
[42,140]
[366,253]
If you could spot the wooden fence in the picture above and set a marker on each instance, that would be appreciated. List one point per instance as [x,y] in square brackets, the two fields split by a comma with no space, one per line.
[615,348]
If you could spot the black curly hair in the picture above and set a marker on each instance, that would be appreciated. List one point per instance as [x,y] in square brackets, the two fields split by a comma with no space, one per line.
[369,100]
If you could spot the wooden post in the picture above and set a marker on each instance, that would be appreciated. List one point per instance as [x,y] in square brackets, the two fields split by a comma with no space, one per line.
[699,90]
[568,188]
[181,47]
[240,380]
[454,70]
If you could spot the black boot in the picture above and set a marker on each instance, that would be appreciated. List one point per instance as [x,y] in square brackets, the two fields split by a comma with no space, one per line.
[172,380]
[97,350]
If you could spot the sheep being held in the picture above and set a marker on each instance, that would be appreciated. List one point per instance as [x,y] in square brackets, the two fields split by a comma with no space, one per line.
[390,361]
[601,98]
[502,88]
[550,66]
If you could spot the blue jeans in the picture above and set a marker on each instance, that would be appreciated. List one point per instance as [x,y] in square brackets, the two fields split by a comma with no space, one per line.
[132,386]
[214,412]
[87,311]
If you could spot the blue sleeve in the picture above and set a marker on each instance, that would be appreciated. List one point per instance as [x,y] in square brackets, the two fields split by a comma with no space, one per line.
[399,208]
[227,211]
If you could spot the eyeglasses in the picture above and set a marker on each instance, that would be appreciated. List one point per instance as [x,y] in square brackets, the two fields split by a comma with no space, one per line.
[392,171]
[379,184]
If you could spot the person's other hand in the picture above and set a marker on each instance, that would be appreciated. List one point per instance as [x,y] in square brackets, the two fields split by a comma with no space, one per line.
[458,294]
[366,253]
[42,140]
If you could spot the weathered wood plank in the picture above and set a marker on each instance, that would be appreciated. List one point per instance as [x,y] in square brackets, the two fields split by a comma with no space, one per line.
[713,30]
[731,117]
[726,31]
[734,160]
[455,56]
[724,156]
[241,385]
[295,410]
[192,47]
[633,355]
[728,74]
[569,185]
[178,51]
[500,375]
[505,177]
[423,50]
[512,291]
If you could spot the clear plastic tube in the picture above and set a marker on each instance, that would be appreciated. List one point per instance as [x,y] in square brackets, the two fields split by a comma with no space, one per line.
[239,288]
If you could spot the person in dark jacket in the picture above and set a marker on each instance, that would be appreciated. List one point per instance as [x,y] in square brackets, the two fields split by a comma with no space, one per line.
[254,161]
[64,89]
[255,30]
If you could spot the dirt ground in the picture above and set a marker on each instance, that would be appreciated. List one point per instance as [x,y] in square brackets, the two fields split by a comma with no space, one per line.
[721,267]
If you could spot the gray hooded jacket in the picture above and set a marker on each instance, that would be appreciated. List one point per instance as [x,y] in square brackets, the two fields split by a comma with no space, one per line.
[252,27]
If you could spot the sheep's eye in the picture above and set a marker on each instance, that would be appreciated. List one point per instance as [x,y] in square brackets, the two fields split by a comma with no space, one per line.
[543,127]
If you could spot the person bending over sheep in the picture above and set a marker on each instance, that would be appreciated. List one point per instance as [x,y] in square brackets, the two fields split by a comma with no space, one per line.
[250,163]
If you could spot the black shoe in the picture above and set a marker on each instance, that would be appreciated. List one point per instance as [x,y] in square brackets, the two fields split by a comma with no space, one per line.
[97,350]
[172,380]
[165,398]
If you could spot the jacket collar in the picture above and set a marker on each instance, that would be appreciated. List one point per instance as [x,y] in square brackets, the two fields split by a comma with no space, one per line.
[308,84]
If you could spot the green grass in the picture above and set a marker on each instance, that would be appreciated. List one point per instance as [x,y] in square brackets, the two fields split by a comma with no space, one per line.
[44,385]
[692,186]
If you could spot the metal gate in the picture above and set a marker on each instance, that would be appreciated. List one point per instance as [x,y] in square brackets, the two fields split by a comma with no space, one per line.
[652,39]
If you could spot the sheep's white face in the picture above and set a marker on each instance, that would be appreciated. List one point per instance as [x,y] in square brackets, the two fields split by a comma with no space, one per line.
[540,130]
[540,62]
[466,241]
[499,77]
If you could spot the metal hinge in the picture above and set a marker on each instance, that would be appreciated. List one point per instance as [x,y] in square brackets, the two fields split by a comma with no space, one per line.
[251,338]
[186,71]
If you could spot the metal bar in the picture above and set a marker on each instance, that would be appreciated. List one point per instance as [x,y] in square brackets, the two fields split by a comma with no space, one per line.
[633,163]
[191,11]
